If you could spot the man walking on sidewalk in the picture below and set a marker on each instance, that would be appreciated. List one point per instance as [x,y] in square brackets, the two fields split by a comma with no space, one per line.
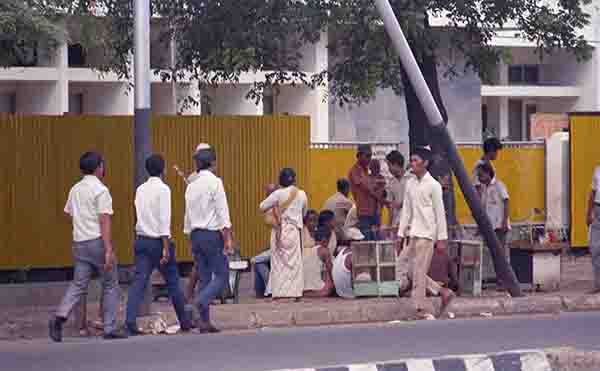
[90,207]
[208,223]
[593,222]
[423,222]
[153,248]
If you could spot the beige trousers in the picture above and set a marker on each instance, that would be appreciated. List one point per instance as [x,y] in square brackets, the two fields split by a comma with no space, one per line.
[411,268]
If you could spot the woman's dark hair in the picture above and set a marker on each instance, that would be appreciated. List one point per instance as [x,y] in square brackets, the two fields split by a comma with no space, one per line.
[325,217]
[287,177]
[89,162]
[309,213]
[492,145]
[205,158]
[155,165]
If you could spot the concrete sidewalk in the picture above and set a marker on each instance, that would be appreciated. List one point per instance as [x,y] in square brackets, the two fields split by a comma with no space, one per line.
[28,321]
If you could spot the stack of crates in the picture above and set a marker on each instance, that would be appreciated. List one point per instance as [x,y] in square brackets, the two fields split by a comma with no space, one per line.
[470,255]
[374,268]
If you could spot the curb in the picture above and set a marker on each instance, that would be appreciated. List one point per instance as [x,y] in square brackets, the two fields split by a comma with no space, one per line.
[570,359]
[530,360]
[253,316]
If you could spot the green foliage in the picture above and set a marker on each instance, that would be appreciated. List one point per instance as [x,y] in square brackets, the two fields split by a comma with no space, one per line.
[217,41]
[26,28]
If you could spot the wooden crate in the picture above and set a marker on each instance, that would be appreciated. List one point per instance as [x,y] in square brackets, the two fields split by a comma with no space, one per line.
[374,268]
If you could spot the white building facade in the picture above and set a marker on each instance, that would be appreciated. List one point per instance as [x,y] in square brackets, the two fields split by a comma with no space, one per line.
[67,83]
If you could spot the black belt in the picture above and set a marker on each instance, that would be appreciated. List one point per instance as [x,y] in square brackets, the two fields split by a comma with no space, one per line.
[204,230]
[141,237]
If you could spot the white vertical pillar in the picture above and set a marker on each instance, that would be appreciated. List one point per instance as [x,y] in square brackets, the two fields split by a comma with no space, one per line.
[320,116]
[61,62]
[503,117]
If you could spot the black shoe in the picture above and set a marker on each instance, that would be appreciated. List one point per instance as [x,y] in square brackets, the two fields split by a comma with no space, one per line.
[207,328]
[133,331]
[114,336]
[55,329]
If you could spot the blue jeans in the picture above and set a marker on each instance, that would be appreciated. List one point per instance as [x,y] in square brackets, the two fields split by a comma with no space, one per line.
[365,224]
[261,277]
[148,253]
[212,267]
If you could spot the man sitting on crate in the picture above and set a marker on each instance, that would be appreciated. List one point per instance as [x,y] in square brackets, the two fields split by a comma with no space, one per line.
[423,211]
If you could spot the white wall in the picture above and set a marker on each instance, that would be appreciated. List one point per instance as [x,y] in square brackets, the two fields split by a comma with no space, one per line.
[231,100]
[164,99]
[41,98]
[188,90]
[104,98]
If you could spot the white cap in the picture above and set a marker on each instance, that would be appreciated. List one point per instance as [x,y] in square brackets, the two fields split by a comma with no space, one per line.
[202,146]
[354,234]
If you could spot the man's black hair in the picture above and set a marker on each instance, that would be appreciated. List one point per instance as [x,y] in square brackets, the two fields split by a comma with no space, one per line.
[423,153]
[343,185]
[396,158]
[90,162]
[155,165]
[287,177]
[363,149]
[492,145]
[326,216]
[205,158]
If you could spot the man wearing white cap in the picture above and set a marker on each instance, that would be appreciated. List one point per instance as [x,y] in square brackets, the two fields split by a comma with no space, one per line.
[208,223]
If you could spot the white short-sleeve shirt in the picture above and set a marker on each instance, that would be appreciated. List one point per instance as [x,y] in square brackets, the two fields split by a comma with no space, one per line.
[596,184]
[493,197]
[87,200]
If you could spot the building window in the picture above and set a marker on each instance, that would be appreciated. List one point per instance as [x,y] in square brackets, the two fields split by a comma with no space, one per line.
[524,74]
[268,101]
[76,55]
[484,118]
[76,104]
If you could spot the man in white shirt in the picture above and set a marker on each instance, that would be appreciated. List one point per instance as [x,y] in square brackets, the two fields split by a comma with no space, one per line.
[153,248]
[90,207]
[396,186]
[491,148]
[495,200]
[208,223]
[423,222]
[593,222]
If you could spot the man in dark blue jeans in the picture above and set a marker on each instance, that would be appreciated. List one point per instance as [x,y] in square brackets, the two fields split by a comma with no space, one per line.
[208,223]
[153,249]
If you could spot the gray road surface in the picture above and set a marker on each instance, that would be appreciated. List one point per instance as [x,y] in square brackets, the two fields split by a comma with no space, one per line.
[271,349]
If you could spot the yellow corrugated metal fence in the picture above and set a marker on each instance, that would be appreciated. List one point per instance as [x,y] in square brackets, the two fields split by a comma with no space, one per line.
[39,163]
[585,157]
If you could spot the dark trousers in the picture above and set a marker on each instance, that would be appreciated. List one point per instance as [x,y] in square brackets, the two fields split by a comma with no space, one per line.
[212,267]
[148,253]
[366,224]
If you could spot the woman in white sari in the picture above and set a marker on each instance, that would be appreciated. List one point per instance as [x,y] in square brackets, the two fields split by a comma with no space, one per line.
[289,203]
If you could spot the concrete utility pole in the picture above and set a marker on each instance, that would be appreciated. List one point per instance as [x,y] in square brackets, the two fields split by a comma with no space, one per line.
[440,131]
[142,146]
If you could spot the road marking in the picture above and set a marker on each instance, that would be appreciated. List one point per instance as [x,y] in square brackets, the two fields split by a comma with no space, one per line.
[420,365]
[535,361]
[478,364]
